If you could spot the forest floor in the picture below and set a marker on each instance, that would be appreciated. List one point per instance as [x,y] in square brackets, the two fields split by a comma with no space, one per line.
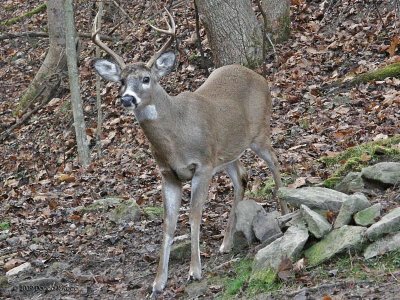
[41,183]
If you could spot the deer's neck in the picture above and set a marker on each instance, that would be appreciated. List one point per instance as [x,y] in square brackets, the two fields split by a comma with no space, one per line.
[155,118]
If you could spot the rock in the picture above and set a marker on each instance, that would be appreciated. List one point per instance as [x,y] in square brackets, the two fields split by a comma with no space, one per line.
[369,215]
[4,282]
[386,173]
[287,220]
[181,251]
[102,205]
[337,241]
[351,183]
[266,226]
[40,284]
[125,212]
[353,204]
[21,268]
[13,241]
[240,242]
[57,269]
[317,225]
[313,197]
[382,246]
[12,263]
[196,289]
[246,211]
[289,245]
[388,224]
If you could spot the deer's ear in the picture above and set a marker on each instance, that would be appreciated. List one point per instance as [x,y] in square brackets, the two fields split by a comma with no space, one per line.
[164,64]
[108,70]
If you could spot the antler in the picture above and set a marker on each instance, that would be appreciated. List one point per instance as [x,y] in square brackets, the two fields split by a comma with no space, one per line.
[171,32]
[96,39]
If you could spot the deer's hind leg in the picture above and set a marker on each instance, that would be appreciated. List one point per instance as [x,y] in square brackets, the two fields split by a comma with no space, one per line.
[238,175]
[262,147]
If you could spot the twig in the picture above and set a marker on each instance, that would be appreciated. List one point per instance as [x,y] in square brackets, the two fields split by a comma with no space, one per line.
[273,47]
[5,134]
[98,90]
[124,12]
[264,37]
[40,34]
[378,13]
[226,264]
[198,37]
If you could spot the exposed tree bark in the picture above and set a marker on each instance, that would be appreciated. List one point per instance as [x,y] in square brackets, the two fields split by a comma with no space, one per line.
[278,19]
[98,88]
[77,110]
[55,61]
[233,31]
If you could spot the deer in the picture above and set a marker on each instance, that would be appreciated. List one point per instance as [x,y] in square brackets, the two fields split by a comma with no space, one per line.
[194,135]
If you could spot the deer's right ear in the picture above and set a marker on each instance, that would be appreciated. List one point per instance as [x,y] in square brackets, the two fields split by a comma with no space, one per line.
[108,70]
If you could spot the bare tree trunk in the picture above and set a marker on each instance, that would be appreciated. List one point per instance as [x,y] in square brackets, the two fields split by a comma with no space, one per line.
[72,59]
[233,31]
[278,19]
[54,65]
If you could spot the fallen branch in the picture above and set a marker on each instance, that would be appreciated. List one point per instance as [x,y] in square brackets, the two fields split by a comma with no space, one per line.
[392,70]
[39,9]
[39,34]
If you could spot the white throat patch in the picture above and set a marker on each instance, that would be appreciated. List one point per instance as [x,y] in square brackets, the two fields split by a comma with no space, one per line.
[149,112]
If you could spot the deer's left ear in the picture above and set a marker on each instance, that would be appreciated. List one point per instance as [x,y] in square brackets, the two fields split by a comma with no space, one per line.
[164,64]
[108,70]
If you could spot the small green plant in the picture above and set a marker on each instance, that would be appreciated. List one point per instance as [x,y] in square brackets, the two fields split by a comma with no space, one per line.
[153,212]
[5,225]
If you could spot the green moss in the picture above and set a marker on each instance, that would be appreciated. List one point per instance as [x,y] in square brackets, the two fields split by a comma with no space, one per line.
[392,70]
[358,157]
[268,186]
[153,212]
[28,14]
[5,225]
[331,182]
[263,281]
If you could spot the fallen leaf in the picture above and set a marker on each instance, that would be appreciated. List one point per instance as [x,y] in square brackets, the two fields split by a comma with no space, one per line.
[301,181]
[393,45]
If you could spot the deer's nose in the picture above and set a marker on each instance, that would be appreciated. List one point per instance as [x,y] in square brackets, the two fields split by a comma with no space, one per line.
[128,100]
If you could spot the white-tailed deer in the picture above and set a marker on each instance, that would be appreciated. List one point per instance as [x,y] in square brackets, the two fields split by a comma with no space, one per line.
[195,134]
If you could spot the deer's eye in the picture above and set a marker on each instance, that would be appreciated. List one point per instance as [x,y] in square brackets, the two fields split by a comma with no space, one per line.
[146,79]
[122,81]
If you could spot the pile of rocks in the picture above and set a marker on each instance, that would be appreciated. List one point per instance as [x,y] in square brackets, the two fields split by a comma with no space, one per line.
[307,231]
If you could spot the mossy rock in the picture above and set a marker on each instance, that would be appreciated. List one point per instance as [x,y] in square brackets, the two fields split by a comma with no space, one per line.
[337,241]
[180,252]
[102,205]
[153,212]
[127,211]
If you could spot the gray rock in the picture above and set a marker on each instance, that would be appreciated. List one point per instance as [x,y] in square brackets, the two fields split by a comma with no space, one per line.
[289,245]
[290,219]
[386,173]
[353,204]
[351,183]
[266,226]
[125,212]
[180,251]
[388,224]
[246,211]
[317,225]
[313,197]
[21,268]
[369,215]
[388,243]
[196,289]
[57,268]
[337,241]
[240,242]
[102,205]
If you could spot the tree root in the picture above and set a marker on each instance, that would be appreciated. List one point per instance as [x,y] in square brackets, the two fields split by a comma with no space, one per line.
[36,10]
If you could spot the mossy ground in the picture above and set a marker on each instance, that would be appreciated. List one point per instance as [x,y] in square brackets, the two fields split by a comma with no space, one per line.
[358,157]
[348,266]
[153,212]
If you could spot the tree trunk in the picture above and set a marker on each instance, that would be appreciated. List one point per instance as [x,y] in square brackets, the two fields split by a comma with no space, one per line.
[77,110]
[233,31]
[278,19]
[50,73]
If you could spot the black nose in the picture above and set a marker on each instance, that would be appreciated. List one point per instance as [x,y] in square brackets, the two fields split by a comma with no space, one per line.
[128,100]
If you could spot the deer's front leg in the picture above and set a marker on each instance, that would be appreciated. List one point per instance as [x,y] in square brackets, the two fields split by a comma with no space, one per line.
[200,183]
[171,194]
